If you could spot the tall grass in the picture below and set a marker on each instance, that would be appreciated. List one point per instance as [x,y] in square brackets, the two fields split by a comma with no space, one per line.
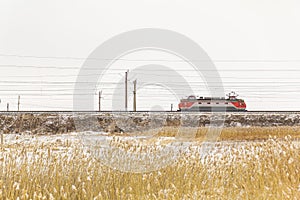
[64,170]
[235,133]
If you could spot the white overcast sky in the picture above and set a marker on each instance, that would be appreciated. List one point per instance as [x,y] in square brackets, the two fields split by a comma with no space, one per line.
[260,37]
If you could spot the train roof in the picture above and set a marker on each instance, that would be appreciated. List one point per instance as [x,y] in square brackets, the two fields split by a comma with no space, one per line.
[205,98]
[208,98]
[231,96]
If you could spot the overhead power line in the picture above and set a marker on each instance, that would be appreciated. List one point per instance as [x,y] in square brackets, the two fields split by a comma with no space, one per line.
[149,74]
[62,67]
[164,60]
[169,82]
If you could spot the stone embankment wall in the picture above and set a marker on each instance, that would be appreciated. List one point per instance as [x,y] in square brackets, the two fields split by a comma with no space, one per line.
[57,123]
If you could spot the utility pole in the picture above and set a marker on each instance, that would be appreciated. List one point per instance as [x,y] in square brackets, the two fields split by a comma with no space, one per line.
[134,95]
[7,107]
[100,93]
[126,77]
[171,107]
[18,103]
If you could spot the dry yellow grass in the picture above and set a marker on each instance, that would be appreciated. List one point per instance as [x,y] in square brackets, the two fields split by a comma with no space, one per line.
[251,170]
[237,133]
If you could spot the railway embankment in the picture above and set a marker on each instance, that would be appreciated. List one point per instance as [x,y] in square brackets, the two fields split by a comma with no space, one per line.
[64,122]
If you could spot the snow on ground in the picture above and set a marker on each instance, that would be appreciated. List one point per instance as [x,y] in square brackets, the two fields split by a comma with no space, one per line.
[123,152]
[216,149]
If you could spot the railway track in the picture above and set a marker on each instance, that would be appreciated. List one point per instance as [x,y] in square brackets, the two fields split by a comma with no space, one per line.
[96,112]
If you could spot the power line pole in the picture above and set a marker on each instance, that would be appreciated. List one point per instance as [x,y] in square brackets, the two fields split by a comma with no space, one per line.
[126,77]
[134,95]
[7,106]
[100,93]
[18,103]
[171,107]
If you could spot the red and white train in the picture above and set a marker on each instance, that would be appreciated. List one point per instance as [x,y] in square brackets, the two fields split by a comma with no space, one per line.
[208,104]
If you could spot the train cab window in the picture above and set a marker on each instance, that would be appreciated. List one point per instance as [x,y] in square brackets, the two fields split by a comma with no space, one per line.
[199,102]
[192,97]
[208,102]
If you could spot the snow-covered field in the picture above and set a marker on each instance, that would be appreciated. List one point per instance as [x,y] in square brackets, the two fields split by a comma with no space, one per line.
[100,144]
[94,165]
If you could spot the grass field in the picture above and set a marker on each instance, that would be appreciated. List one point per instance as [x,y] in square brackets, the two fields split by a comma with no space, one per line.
[246,163]
[231,133]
